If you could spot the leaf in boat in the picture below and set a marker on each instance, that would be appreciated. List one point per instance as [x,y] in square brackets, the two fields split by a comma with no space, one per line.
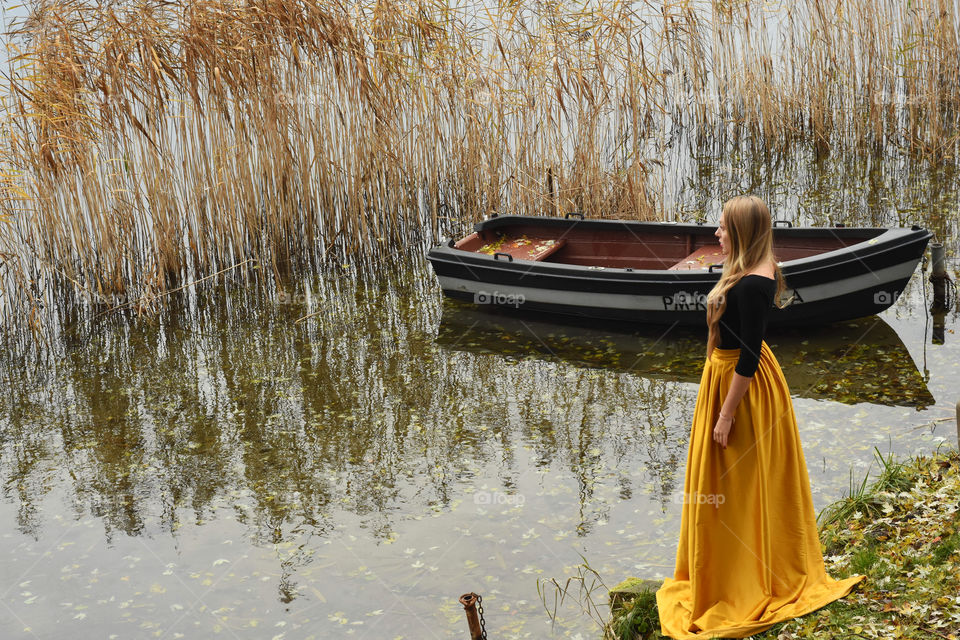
[493,247]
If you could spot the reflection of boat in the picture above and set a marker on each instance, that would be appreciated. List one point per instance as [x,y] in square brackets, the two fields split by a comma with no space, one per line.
[656,272]
[856,361]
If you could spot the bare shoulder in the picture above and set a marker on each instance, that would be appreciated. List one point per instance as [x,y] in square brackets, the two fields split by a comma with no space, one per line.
[765,270]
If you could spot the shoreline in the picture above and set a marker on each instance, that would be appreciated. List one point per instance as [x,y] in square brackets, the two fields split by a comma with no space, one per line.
[902,531]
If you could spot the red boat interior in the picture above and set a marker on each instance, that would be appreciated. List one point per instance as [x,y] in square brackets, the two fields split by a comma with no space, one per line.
[669,250]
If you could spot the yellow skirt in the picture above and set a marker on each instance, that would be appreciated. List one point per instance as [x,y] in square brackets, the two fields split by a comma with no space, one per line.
[749,551]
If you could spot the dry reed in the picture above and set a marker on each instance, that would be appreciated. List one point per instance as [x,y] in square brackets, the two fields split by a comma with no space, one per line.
[148,143]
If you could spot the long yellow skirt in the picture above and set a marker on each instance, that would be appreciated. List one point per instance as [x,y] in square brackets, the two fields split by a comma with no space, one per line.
[749,550]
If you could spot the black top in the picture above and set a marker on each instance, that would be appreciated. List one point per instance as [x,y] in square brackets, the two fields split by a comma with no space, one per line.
[744,321]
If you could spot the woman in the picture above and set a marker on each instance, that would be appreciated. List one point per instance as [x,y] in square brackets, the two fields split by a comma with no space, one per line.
[749,551]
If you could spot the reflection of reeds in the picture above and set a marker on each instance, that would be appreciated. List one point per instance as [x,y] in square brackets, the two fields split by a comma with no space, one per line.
[159,142]
[159,421]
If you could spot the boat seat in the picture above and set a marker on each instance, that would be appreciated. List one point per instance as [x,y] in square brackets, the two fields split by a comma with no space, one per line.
[702,258]
[524,247]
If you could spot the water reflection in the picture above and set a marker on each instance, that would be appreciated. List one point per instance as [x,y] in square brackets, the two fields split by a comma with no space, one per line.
[229,422]
[849,362]
[230,399]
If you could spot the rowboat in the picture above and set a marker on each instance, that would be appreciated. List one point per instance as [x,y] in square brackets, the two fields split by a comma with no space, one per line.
[661,272]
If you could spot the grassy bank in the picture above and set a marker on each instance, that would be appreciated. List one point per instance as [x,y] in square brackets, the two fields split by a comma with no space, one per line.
[902,531]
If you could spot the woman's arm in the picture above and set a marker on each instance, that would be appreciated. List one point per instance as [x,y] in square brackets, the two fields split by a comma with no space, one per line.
[754,305]
[738,388]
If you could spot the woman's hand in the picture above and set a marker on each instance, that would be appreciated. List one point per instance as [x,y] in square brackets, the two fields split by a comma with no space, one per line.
[722,430]
[738,388]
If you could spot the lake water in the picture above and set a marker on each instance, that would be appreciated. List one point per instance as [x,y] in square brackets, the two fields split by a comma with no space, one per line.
[223,469]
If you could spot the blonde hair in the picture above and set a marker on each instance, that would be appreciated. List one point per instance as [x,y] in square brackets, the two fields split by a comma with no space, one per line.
[750,240]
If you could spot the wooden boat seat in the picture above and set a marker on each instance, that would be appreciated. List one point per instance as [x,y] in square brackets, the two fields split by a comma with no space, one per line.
[524,247]
[702,258]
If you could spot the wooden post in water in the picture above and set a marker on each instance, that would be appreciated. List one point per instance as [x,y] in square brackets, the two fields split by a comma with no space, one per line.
[552,193]
[938,276]
[958,425]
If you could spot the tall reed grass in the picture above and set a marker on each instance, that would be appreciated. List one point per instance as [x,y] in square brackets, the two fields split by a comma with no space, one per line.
[149,143]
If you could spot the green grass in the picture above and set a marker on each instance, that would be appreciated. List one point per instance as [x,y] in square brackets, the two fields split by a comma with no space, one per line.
[641,620]
[863,561]
[946,548]
[865,499]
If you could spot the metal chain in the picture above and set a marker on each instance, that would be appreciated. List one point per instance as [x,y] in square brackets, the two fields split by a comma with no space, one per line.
[483,623]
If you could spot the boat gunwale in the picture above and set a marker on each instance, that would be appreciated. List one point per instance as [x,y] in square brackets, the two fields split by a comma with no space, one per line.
[882,240]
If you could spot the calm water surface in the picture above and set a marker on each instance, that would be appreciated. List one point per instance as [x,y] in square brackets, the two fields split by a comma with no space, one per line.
[224,470]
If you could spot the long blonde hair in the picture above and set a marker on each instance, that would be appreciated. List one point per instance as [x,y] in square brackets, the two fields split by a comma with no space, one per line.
[750,239]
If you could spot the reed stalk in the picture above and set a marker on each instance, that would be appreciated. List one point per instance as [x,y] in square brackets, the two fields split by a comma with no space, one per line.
[148,143]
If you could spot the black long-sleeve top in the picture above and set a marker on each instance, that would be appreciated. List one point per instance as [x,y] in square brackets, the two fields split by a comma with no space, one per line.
[744,321]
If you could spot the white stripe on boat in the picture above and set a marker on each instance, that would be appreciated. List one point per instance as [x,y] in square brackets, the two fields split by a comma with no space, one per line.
[487,293]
